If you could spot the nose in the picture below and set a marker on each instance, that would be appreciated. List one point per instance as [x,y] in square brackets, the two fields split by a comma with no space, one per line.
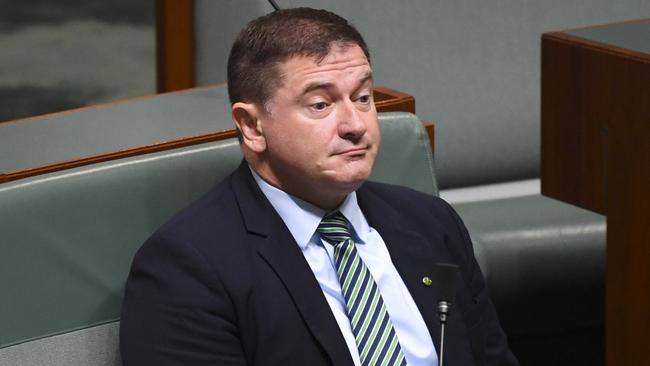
[351,123]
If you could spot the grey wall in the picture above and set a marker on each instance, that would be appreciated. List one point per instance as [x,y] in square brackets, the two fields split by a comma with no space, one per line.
[473,67]
[216,24]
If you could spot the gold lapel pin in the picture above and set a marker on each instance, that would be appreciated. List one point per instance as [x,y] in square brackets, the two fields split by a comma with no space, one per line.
[426,281]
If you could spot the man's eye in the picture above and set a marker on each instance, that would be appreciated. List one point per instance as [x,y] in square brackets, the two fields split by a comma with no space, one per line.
[319,106]
[364,99]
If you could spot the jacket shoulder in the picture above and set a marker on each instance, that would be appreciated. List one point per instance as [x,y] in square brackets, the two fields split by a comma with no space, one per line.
[408,201]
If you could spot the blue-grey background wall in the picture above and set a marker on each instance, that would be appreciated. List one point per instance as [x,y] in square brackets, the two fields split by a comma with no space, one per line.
[473,67]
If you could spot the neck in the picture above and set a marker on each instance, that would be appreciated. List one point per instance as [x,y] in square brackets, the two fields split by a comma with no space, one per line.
[317,196]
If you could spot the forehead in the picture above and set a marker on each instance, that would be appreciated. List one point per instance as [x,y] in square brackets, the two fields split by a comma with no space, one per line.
[340,62]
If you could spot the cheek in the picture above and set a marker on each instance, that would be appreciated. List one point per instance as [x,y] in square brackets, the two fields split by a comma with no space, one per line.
[373,130]
[303,147]
[317,142]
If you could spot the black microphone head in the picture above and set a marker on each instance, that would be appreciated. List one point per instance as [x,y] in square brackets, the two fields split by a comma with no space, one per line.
[444,278]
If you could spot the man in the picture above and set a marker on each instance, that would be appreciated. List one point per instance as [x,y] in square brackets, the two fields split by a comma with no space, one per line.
[295,259]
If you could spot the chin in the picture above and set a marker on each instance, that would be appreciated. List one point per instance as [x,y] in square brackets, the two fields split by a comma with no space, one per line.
[351,183]
[348,177]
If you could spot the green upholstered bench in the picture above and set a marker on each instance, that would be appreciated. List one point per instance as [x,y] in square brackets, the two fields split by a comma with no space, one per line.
[67,238]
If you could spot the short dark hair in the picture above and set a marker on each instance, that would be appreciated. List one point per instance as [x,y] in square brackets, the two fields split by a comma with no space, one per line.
[271,39]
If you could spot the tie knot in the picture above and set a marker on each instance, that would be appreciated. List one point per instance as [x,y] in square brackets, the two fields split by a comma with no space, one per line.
[334,228]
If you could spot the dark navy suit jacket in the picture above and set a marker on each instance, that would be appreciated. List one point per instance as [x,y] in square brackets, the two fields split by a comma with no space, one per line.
[224,283]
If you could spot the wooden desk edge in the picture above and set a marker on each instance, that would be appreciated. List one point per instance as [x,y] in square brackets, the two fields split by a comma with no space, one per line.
[595,45]
[119,154]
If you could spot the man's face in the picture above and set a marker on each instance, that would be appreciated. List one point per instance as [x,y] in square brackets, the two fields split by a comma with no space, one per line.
[320,129]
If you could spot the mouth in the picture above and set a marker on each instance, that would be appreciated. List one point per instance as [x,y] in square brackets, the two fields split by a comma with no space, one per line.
[354,152]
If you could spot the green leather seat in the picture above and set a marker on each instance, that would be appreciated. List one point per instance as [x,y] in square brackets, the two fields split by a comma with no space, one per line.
[544,262]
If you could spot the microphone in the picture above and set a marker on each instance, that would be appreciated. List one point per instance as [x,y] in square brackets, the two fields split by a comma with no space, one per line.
[274,5]
[444,276]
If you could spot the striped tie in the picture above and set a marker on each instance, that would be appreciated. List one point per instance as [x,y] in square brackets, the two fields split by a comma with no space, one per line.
[371,325]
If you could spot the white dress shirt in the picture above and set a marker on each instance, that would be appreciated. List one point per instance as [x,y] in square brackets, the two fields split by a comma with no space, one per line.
[302,219]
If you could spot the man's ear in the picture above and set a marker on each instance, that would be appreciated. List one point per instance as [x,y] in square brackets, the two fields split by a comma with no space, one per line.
[247,118]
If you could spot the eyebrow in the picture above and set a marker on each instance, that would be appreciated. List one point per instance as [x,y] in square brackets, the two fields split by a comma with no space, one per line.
[316,86]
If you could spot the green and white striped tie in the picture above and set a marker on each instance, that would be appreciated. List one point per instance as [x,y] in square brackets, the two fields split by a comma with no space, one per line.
[371,325]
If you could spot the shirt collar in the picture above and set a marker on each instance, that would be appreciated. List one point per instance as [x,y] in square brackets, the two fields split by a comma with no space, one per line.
[351,210]
[302,218]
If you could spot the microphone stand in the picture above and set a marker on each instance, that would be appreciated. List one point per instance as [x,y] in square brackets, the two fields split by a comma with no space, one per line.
[274,5]
[443,309]
[445,275]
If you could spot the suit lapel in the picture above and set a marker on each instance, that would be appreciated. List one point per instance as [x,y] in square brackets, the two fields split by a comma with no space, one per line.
[282,253]
[413,262]
[415,256]
[410,253]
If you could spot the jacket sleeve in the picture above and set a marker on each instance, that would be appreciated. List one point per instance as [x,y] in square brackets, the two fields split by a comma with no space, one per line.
[176,311]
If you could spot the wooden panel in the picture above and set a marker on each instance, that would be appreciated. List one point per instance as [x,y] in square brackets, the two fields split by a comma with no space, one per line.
[573,127]
[431,132]
[628,213]
[596,153]
[174,45]
[389,100]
